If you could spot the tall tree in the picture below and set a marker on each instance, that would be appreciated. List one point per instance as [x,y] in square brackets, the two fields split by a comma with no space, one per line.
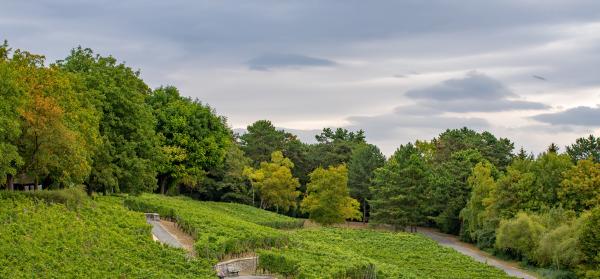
[194,140]
[585,148]
[497,151]
[334,147]
[478,226]
[59,129]
[274,182]
[327,200]
[399,191]
[449,189]
[365,159]
[124,161]
[261,140]
[580,189]
[11,97]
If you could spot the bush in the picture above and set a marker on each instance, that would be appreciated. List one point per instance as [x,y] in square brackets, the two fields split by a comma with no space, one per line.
[520,236]
[559,248]
[589,238]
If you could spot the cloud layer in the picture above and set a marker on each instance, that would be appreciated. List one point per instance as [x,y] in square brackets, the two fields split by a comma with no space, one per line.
[401,70]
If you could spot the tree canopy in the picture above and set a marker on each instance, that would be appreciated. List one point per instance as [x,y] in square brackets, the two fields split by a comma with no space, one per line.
[328,201]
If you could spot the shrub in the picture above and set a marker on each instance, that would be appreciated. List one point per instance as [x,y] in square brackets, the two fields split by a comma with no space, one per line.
[520,236]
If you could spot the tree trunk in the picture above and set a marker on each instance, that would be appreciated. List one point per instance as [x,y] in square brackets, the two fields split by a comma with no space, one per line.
[163,184]
[364,211]
[10,182]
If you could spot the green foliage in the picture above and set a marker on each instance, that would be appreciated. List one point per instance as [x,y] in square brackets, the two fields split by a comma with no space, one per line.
[274,182]
[328,201]
[585,148]
[334,147]
[11,98]
[590,238]
[478,225]
[348,253]
[219,229]
[450,190]
[520,236]
[399,190]
[125,158]
[261,140]
[580,189]
[233,185]
[361,171]
[497,151]
[100,239]
[194,140]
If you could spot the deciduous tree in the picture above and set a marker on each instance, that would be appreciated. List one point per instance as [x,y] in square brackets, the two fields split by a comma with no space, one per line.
[328,201]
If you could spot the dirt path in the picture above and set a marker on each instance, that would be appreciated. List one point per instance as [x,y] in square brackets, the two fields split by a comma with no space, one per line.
[472,251]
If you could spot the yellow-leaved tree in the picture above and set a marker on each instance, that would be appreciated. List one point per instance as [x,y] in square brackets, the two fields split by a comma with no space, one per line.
[328,201]
[274,182]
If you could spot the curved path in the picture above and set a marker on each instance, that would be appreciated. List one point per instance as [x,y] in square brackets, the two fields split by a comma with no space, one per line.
[472,251]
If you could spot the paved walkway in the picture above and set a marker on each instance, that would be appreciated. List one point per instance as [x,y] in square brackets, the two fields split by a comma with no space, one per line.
[163,235]
[472,251]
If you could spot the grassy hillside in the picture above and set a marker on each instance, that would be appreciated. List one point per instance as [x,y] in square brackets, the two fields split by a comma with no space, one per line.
[66,235]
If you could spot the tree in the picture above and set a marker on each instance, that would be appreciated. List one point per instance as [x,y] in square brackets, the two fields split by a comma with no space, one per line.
[496,151]
[58,128]
[515,191]
[334,147]
[399,189]
[261,140]
[328,201]
[194,140]
[274,182]
[124,161]
[520,236]
[548,170]
[585,148]
[11,97]
[233,185]
[365,159]
[478,226]
[553,148]
[589,240]
[449,189]
[580,189]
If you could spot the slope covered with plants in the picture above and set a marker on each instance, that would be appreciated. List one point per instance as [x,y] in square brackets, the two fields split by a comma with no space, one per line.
[84,238]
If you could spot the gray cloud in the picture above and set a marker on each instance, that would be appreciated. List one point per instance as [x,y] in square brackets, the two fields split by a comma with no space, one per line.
[474,86]
[580,116]
[276,60]
[474,93]
[403,119]
[203,46]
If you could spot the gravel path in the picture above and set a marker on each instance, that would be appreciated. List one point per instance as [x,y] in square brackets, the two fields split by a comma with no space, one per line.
[473,252]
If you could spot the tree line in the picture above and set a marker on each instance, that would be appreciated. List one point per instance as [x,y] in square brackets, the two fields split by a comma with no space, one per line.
[542,210]
[91,120]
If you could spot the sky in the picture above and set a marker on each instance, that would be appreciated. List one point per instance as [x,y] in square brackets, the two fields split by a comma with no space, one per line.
[400,70]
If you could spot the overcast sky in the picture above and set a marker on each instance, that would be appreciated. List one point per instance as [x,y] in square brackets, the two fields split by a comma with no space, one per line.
[400,70]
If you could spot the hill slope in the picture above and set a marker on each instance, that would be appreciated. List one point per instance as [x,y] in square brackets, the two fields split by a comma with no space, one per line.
[94,239]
